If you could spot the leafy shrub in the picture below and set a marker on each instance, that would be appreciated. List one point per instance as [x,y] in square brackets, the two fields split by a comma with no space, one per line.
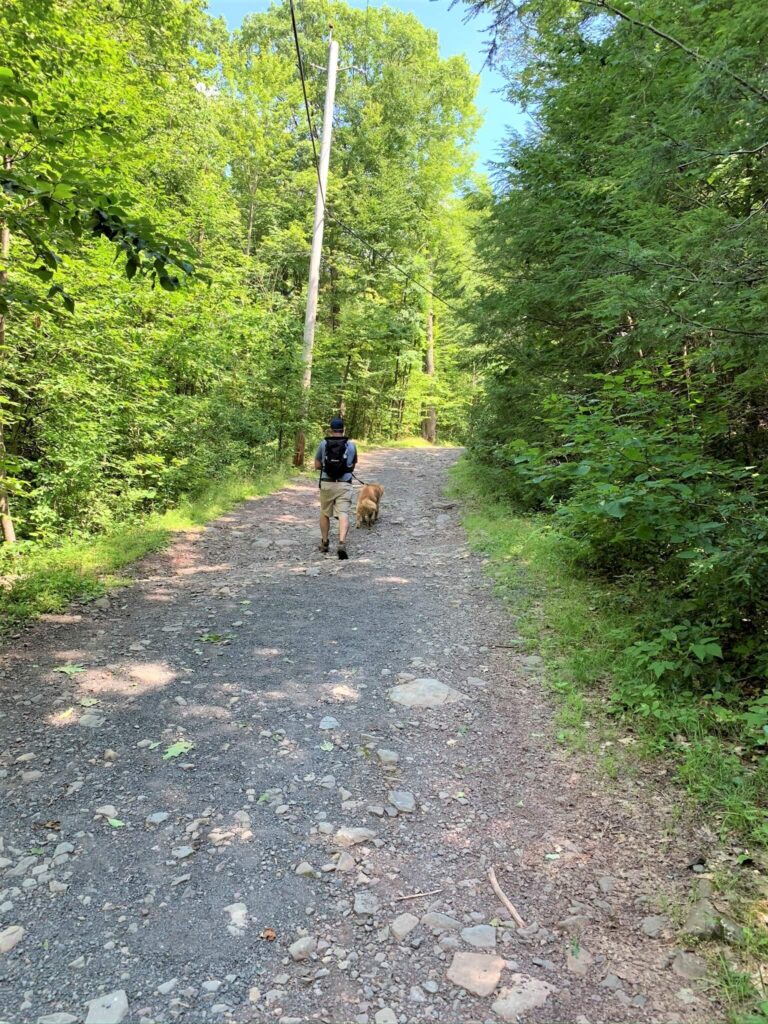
[631,475]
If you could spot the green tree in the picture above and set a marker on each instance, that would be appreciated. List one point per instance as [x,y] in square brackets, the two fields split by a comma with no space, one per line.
[624,324]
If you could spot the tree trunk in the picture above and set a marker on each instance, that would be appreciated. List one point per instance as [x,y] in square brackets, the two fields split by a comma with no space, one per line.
[393,405]
[343,396]
[429,423]
[249,239]
[6,522]
[401,405]
[280,434]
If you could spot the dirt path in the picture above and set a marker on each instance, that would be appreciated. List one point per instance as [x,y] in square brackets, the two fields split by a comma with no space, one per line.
[277,663]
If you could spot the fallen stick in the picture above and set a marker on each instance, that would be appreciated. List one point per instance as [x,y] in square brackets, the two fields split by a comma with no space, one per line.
[417,895]
[504,899]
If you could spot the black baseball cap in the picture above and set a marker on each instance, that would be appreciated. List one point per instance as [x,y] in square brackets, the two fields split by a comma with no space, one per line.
[337,423]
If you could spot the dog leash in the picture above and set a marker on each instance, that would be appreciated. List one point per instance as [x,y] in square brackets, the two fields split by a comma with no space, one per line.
[356,477]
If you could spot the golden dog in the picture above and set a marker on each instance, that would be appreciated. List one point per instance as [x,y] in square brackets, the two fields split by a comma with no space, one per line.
[371,492]
[367,510]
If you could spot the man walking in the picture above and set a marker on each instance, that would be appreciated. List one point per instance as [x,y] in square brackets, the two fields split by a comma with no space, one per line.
[335,457]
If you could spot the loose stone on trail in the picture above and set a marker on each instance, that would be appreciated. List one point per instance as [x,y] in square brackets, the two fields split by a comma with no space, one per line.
[10,937]
[109,1009]
[482,936]
[402,801]
[439,923]
[403,925]
[522,994]
[478,973]
[579,961]
[346,837]
[654,925]
[303,948]
[689,966]
[366,904]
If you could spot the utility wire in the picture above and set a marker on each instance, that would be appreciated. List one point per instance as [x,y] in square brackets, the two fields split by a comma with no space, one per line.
[300,65]
[345,227]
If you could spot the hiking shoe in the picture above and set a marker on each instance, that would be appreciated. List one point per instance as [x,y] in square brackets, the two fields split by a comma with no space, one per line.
[342,551]
[324,546]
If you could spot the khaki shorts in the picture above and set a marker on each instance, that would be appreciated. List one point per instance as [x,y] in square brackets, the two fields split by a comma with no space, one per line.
[335,498]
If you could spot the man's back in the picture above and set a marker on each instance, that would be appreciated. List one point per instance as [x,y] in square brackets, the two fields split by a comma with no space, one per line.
[337,448]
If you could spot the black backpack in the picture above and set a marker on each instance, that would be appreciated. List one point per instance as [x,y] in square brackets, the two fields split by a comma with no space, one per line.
[335,458]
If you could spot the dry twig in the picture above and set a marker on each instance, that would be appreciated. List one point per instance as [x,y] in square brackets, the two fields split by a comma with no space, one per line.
[417,895]
[504,899]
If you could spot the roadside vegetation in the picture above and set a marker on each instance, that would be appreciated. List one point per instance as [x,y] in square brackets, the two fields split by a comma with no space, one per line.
[621,433]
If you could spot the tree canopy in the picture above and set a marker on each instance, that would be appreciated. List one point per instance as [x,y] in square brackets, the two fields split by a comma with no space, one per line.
[158,186]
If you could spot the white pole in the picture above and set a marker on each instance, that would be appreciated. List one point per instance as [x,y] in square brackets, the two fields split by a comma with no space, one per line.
[317,241]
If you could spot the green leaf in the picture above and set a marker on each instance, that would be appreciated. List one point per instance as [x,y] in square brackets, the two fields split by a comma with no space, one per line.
[177,748]
[707,649]
[327,745]
[116,823]
[660,667]
[216,638]
[615,509]
[70,669]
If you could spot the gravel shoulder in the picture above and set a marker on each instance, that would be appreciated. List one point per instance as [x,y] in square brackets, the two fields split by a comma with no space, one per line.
[218,800]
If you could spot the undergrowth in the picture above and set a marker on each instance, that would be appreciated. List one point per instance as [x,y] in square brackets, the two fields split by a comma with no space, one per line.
[583,629]
[41,579]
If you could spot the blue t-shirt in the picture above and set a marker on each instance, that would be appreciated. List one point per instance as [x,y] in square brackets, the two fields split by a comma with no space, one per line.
[351,455]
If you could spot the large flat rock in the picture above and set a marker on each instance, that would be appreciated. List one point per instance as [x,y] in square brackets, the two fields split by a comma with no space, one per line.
[425,693]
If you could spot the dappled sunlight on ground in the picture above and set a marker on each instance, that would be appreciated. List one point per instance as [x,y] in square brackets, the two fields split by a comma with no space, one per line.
[342,692]
[74,655]
[195,570]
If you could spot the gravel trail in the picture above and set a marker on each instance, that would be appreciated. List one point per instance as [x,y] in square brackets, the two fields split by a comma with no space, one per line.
[212,807]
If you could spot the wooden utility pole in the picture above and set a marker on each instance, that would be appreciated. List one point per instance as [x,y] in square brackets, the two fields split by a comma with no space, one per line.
[317,245]
[6,523]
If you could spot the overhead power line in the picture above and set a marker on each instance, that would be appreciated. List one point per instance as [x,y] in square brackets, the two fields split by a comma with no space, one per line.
[300,64]
[337,220]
